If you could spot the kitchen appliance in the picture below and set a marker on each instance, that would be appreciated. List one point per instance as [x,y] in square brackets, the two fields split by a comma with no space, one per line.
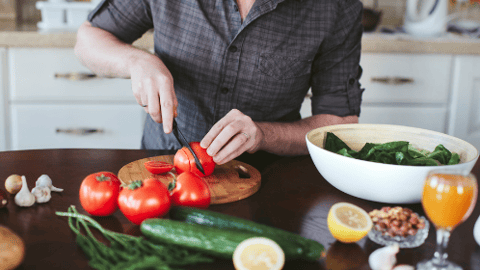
[426,18]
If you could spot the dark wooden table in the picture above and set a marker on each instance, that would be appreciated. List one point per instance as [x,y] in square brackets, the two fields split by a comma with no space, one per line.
[293,196]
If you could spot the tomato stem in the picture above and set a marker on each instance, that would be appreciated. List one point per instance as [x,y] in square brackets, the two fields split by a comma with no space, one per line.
[135,184]
[173,184]
[101,178]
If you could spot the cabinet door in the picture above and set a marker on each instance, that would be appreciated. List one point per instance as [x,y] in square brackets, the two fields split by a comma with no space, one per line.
[431,118]
[405,78]
[76,126]
[465,109]
[38,74]
[3,100]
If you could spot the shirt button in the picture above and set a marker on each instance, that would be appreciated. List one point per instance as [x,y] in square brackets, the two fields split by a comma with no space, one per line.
[233,49]
[351,81]
[224,90]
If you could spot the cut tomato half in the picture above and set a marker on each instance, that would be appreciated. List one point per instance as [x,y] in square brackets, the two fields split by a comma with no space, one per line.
[158,167]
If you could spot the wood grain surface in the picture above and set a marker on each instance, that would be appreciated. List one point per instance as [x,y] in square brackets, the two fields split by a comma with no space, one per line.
[229,182]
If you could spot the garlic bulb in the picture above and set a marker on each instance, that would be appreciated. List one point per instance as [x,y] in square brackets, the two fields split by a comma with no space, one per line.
[384,258]
[42,194]
[45,180]
[24,198]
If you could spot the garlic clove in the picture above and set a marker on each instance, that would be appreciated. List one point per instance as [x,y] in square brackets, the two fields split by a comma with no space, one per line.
[24,197]
[384,258]
[42,194]
[45,180]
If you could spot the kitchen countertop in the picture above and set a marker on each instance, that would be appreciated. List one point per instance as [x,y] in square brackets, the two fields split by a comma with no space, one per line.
[28,35]
[301,207]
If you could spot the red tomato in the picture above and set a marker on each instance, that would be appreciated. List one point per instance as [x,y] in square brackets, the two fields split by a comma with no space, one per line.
[157,166]
[99,193]
[141,200]
[190,190]
[185,162]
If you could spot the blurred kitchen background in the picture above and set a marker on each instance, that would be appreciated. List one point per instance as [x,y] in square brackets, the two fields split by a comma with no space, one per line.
[49,100]
[393,11]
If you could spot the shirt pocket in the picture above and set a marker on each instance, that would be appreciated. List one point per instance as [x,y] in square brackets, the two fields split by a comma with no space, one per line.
[283,67]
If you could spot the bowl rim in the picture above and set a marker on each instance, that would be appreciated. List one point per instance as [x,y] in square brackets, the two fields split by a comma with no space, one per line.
[476,156]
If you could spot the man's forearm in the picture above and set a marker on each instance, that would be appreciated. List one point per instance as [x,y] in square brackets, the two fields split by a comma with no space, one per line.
[103,53]
[289,138]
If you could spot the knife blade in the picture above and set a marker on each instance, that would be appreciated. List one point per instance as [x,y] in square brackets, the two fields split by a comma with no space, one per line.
[181,139]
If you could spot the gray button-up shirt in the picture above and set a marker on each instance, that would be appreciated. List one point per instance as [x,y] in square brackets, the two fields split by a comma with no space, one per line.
[262,66]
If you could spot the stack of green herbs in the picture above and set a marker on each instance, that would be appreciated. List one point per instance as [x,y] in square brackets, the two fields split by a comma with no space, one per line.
[397,152]
[125,251]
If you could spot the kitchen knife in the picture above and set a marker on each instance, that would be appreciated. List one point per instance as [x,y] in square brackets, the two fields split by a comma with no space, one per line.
[181,139]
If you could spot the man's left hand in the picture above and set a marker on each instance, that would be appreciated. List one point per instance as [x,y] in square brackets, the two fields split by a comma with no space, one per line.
[232,135]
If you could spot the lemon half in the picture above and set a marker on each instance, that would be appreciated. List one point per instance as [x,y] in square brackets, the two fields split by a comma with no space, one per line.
[258,253]
[348,223]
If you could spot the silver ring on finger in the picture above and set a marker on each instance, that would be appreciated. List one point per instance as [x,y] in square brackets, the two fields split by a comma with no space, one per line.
[246,135]
[144,105]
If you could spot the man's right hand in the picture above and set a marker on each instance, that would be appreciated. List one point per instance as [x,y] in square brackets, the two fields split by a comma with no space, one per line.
[152,85]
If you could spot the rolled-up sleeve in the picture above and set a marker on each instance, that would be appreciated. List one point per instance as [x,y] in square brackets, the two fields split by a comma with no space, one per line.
[127,20]
[336,71]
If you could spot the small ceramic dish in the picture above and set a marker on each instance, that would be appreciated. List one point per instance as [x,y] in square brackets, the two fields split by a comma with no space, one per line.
[411,241]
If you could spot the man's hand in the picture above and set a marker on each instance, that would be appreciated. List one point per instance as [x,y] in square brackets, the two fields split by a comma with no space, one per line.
[236,133]
[152,85]
[232,135]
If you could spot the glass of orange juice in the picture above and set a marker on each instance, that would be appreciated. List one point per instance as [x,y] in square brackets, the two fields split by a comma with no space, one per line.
[448,199]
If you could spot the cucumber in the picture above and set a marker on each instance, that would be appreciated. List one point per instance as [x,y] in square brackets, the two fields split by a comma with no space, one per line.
[312,250]
[208,240]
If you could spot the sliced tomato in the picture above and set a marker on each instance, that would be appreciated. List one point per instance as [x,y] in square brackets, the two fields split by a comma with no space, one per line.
[185,162]
[157,166]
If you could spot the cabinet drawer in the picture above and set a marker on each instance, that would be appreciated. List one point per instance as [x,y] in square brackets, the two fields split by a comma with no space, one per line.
[427,78]
[427,118]
[33,77]
[51,126]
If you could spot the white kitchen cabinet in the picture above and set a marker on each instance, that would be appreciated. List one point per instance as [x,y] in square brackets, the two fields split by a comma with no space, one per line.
[36,126]
[404,89]
[464,119]
[55,102]
[3,100]
[57,75]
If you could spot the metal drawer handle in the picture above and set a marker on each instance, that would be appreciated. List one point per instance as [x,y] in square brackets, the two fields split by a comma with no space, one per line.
[79,131]
[76,76]
[392,80]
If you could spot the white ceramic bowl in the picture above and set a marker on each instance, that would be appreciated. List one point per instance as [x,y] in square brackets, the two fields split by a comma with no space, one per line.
[385,183]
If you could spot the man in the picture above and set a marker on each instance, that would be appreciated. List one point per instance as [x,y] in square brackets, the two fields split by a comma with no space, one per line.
[236,72]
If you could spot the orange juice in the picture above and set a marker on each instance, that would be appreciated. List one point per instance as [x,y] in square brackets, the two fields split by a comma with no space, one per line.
[448,199]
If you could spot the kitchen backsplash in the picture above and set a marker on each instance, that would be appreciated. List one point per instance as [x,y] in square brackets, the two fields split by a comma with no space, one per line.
[393,11]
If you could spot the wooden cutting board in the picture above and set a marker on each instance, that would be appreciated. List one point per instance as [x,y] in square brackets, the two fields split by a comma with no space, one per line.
[229,182]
